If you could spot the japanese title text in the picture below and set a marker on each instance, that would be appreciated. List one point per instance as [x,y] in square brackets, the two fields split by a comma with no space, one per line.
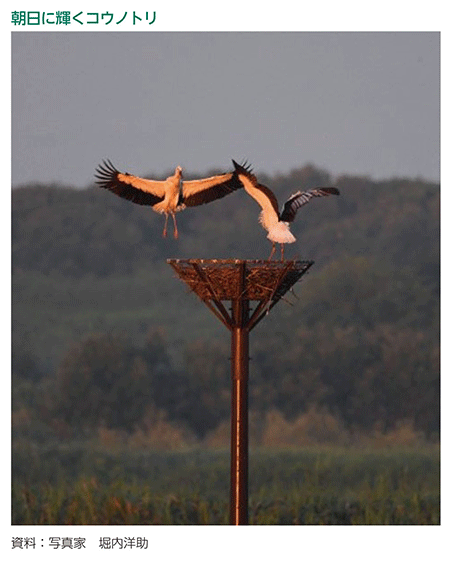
[82,18]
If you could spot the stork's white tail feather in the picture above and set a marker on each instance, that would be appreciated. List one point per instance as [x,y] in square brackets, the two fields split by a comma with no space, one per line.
[280,233]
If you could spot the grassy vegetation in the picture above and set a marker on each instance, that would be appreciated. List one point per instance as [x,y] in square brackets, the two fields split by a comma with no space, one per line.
[310,486]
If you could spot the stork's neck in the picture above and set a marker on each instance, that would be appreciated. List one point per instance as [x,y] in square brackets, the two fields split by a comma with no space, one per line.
[178,177]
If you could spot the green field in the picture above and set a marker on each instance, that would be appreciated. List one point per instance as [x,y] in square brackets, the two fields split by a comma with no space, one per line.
[310,486]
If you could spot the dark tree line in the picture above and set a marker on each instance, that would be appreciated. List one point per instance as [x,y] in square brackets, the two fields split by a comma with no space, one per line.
[363,377]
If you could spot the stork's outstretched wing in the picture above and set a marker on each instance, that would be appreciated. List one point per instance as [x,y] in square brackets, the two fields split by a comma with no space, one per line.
[300,198]
[201,191]
[136,189]
[260,193]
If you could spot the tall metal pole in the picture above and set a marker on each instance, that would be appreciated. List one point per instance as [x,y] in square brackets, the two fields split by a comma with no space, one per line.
[265,282]
[238,505]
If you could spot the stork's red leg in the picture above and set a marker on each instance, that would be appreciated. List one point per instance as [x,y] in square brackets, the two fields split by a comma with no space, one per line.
[272,252]
[166,223]
[176,233]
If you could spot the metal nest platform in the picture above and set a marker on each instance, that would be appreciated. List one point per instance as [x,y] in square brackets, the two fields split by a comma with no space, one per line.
[219,280]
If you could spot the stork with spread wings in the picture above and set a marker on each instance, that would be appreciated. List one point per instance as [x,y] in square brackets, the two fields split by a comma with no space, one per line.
[169,196]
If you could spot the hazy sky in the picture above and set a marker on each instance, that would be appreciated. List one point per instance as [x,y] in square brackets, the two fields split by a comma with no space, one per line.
[355,103]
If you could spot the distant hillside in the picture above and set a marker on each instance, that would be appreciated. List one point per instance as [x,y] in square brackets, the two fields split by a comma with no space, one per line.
[361,340]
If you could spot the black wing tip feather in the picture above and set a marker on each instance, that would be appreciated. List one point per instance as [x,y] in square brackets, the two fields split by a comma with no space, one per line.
[244,167]
[105,172]
[107,167]
[316,192]
[330,190]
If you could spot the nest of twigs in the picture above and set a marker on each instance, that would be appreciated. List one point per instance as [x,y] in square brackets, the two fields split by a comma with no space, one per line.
[232,279]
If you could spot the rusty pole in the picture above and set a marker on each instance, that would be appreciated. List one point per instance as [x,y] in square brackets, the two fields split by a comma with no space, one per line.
[238,504]
[200,276]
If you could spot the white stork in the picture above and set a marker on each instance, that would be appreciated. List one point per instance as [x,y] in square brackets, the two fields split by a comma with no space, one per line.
[168,196]
[276,223]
